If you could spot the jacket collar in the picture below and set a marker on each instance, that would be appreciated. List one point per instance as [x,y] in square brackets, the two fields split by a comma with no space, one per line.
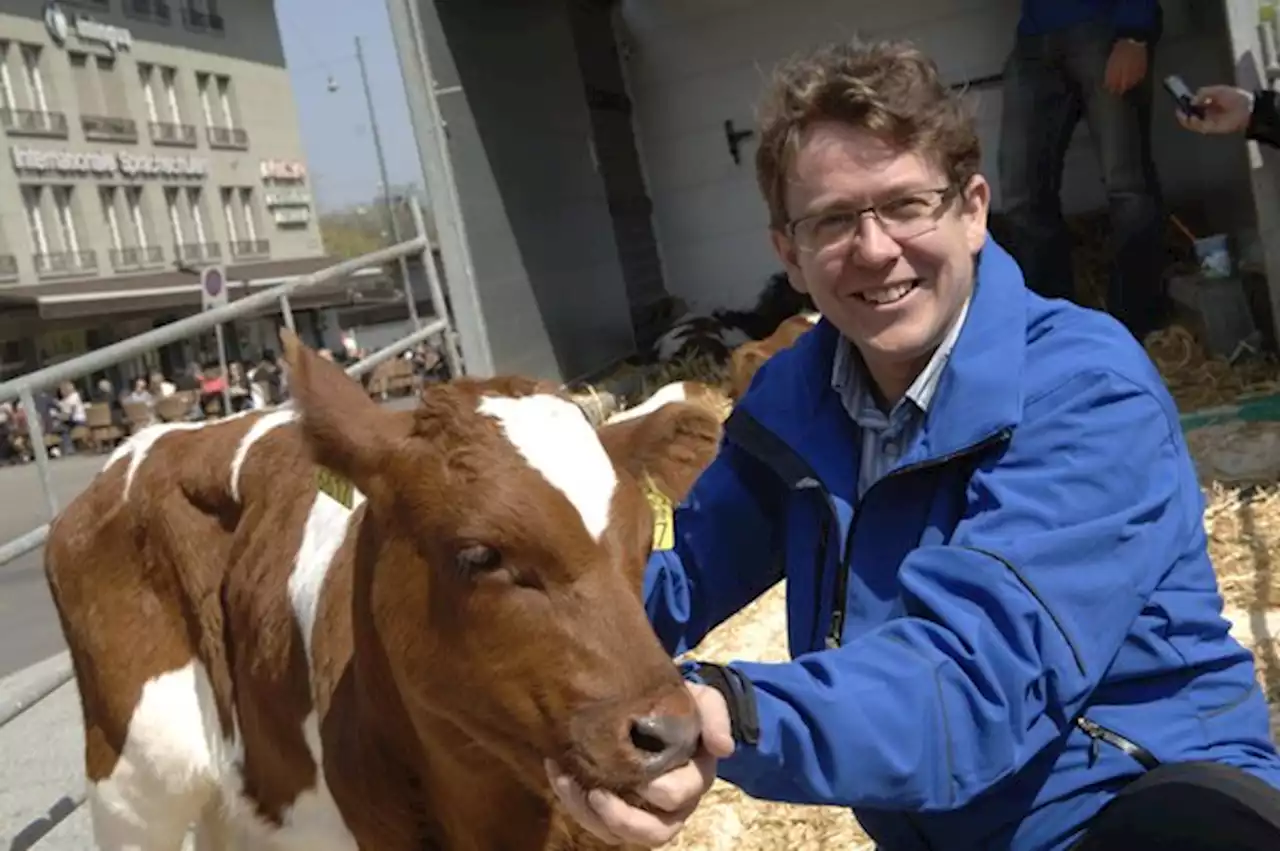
[978,394]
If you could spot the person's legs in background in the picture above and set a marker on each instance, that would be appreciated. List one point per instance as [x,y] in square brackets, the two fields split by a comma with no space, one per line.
[1120,129]
[1041,108]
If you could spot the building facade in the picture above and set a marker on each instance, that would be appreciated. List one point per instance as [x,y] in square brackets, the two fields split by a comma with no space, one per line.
[141,141]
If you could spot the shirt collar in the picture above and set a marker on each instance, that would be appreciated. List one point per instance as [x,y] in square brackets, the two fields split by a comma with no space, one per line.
[849,378]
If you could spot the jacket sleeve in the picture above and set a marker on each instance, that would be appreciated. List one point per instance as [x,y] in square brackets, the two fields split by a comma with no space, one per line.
[727,551]
[1008,627]
[1140,19]
[1264,122]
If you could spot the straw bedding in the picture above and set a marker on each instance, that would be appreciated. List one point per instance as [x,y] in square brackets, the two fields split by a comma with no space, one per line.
[1239,466]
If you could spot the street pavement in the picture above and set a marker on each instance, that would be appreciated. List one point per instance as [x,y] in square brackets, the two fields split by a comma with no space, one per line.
[29,628]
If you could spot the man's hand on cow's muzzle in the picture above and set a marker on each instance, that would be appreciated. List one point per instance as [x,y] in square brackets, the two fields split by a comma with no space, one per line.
[673,797]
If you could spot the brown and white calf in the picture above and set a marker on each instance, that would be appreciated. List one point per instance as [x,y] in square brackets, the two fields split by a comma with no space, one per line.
[747,359]
[335,626]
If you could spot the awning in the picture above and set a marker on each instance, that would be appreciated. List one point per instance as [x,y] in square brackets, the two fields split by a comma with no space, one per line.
[180,291]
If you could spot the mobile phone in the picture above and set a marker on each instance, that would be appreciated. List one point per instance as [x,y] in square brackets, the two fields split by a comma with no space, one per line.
[1183,95]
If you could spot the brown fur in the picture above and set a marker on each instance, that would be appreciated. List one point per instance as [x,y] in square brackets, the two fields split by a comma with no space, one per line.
[747,359]
[438,692]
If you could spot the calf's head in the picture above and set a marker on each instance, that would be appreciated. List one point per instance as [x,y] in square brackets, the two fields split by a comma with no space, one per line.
[495,577]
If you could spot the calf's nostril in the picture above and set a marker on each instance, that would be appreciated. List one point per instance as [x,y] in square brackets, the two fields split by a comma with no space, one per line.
[647,734]
[665,740]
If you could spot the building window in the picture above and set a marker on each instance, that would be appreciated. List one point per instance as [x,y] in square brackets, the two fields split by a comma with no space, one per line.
[26,106]
[137,216]
[175,218]
[7,100]
[62,202]
[109,195]
[229,215]
[32,202]
[242,223]
[145,73]
[155,11]
[104,114]
[64,255]
[163,113]
[34,79]
[202,16]
[217,100]
[195,200]
[250,217]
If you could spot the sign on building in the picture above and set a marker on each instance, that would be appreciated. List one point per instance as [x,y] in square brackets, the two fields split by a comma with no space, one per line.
[62,24]
[107,163]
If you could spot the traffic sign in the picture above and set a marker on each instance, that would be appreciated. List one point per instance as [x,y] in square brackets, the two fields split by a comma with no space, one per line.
[213,287]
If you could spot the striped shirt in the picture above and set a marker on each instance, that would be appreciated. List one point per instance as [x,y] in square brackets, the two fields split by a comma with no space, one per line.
[887,437]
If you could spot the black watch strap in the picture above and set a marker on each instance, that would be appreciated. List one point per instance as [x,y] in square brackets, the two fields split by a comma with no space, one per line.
[739,695]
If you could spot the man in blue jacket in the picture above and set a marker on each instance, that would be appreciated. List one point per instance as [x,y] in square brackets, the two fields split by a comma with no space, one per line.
[1090,58]
[1004,626]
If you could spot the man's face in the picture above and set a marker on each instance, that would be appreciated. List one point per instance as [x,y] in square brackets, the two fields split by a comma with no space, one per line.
[893,289]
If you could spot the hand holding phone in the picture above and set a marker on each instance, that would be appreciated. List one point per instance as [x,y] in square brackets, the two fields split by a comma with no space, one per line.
[1184,97]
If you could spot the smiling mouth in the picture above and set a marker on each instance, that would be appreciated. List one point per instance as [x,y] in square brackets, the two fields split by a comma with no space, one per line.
[888,295]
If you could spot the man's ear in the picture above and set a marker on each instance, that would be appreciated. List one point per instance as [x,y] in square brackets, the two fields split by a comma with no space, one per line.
[671,446]
[343,427]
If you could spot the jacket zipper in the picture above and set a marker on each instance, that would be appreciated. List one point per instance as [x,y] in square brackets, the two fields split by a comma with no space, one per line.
[839,601]
[1102,735]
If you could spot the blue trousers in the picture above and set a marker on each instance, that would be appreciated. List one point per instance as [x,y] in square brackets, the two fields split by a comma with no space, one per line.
[1051,81]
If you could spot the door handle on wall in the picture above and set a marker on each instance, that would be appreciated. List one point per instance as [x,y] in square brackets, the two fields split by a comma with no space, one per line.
[735,138]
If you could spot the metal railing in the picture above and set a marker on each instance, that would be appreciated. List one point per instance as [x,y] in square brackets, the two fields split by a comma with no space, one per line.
[48,677]
[23,387]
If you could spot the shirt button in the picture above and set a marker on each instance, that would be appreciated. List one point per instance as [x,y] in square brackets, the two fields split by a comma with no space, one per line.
[891,447]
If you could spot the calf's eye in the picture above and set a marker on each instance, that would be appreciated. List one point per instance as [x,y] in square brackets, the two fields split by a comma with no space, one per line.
[477,558]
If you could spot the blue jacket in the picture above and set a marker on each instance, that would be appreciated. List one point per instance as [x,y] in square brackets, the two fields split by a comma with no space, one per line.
[1027,613]
[1132,18]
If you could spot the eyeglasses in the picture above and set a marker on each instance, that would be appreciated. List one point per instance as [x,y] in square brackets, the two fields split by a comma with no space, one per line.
[902,218]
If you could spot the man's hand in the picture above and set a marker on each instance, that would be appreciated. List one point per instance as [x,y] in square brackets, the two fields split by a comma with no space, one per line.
[673,796]
[1226,110]
[1126,66]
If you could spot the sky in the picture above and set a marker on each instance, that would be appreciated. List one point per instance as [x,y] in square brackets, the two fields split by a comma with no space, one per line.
[319,43]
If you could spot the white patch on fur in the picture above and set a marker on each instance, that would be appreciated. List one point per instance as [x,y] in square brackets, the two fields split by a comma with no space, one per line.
[169,768]
[259,430]
[326,529]
[813,317]
[556,440]
[138,446]
[312,823]
[677,391]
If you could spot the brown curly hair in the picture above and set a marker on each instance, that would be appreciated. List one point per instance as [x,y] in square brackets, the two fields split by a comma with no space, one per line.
[890,88]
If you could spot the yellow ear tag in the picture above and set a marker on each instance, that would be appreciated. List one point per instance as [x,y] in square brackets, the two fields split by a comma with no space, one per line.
[664,522]
[336,487]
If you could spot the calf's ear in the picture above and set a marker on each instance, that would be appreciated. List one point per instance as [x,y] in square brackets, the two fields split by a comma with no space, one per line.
[343,427]
[671,446]
[743,364]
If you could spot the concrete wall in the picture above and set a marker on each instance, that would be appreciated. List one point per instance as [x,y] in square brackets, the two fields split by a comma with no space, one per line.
[692,65]
[549,278]
[1248,71]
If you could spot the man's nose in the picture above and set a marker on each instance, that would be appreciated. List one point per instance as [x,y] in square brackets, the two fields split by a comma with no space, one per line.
[872,246]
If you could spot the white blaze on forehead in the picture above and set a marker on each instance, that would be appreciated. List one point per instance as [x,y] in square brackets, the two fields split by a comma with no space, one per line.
[555,439]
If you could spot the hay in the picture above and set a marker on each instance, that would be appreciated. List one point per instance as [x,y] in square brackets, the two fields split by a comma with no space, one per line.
[1238,471]
[1198,381]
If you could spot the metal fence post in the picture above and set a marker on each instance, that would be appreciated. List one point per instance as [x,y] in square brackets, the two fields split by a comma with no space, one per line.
[35,433]
[287,312]
[438,305]
[222,365]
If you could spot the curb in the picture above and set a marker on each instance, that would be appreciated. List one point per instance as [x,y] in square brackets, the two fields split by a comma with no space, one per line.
[23,690]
